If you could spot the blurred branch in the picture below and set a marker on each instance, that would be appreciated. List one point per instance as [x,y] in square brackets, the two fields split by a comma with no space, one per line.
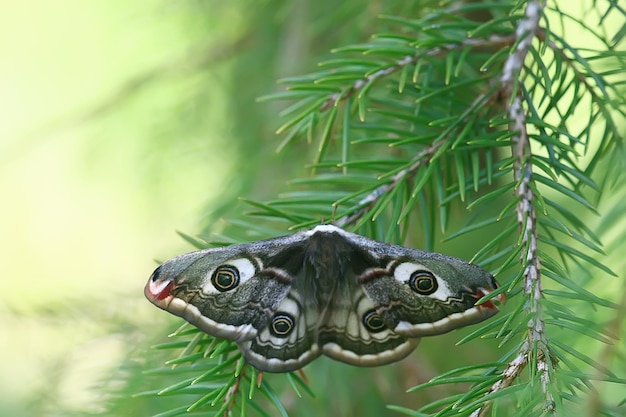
[200,59]
[608,353]
[190,62]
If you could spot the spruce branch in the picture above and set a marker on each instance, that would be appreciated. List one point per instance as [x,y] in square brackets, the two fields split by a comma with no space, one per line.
[526,31]
[368,202]
[490,41]
[423,157]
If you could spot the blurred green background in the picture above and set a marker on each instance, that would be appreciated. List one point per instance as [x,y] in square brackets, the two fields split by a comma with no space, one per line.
[113,136]
[122,122]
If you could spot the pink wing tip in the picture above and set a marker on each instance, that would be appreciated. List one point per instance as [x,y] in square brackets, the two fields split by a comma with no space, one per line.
[158,290]
[501,298]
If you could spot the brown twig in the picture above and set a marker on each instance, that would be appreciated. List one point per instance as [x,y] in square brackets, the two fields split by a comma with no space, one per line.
[526,216]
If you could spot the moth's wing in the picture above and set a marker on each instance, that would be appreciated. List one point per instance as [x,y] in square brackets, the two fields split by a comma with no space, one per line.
[196,287]
[339,331]
[288,341]
[418,293]
[350,333]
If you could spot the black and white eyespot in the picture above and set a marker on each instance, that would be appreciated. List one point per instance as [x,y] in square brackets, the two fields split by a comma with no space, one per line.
[225,278]
[229,275]
[282,325]
[373,322]
[423,282]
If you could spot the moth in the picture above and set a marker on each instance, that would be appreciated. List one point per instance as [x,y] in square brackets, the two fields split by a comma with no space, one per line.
[287,300]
